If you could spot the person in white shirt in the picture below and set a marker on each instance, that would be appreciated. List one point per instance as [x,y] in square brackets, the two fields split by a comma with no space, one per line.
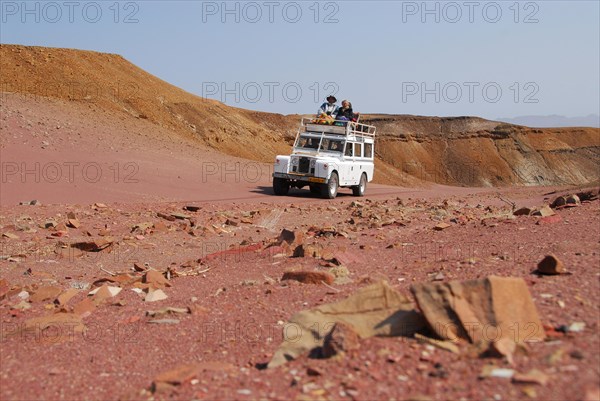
[329,108]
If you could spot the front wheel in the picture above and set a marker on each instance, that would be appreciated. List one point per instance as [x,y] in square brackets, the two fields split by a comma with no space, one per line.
[281,186]
[329,190]
[359,190]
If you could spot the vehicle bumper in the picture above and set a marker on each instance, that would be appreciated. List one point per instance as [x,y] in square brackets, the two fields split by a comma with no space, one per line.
[301,177]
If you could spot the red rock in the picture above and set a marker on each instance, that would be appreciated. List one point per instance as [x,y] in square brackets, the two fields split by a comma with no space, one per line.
[441,226]
[544,211]
[4,288]
[138,267]
[551,265]
[156,279]
[309,277]
[61,320]
[72,220]
[341,339]
[166,216]
[184,373]
[66,296]
[234,251]
[524,211]
[84,307]
[159,226]
[105,292]
[347,258]
[308,251]
[290,237]
[559,202]
[45,293]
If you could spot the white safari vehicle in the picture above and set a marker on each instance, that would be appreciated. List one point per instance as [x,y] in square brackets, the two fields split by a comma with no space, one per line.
[326,157]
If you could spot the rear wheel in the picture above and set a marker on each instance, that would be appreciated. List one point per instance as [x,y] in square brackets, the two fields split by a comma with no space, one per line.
[359,190]
[314,189]
[281,186]
[329,190]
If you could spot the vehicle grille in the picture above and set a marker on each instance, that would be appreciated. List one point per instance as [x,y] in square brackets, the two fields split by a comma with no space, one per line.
[304,165]
[301,165]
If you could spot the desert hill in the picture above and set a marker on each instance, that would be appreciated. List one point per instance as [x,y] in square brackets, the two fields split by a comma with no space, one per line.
[457,151]
[476,152]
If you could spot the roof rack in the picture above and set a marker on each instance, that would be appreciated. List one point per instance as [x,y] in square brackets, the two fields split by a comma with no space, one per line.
[348,129]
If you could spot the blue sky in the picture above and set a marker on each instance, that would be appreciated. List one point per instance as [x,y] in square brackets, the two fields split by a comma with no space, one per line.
[484,58]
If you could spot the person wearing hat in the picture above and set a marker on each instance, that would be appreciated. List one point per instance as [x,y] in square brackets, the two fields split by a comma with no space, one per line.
[329,108]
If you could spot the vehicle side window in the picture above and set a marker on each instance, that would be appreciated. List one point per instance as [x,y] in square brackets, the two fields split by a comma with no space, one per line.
[335,146]
[348,151]
[358,149]
[368,150]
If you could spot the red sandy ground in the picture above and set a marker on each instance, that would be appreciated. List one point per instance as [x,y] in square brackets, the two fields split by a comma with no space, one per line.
[240,303]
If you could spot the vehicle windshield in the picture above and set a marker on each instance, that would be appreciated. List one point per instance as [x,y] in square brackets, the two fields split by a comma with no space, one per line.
[327,145]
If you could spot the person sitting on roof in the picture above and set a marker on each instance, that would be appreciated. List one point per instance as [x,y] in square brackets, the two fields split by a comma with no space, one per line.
[328,111]
[345,114]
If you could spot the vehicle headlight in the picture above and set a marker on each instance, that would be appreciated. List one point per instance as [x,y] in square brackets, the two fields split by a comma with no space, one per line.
[294,161]
[312,163]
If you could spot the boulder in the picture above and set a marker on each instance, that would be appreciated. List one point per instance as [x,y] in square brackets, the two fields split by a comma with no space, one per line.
[480,311]
[375,310]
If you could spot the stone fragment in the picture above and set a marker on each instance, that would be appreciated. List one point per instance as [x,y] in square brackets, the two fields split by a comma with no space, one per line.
[66,296]
[340,340]
[84,307]
[309,277]
[534,376]
[290,237]
[573,200]
[102,293]
[156,279]
[441,226]
[156,295]
[551,266]
[524,211]
[544,211]
[494,371]
[45,293]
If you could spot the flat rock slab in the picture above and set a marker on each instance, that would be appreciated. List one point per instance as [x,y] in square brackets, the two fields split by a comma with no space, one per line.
[480,310]
[375,310]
